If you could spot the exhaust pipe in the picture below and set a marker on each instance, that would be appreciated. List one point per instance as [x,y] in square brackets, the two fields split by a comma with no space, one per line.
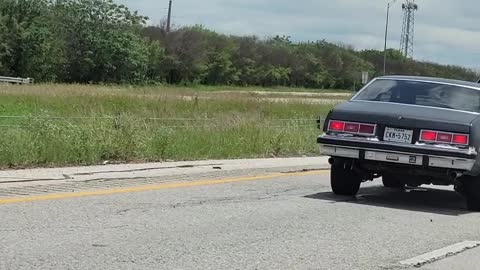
[330,161]
[455,175]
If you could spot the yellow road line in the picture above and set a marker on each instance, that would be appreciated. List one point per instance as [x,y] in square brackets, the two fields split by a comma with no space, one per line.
[152,187]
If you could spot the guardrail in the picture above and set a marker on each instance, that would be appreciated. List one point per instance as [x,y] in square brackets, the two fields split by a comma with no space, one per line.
[16,80]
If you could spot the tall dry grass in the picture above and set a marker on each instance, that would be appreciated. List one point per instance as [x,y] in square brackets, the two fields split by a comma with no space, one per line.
[80,125]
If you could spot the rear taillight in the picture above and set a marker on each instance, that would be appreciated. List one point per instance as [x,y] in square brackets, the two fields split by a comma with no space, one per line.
[367,129]
[444,137]
[351,127]
[428,136]
[461,139]
[336,126]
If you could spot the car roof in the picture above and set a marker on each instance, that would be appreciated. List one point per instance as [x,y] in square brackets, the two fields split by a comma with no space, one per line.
[433,80]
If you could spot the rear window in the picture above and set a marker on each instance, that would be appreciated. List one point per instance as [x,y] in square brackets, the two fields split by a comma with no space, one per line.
[423,94]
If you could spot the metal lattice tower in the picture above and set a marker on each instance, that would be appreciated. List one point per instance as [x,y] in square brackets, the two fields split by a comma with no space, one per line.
[408,28]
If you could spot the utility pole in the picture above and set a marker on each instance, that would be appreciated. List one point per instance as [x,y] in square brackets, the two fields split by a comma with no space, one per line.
[169,19]
[386,38]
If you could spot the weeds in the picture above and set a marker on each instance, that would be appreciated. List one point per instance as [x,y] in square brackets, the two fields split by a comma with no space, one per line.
[122,126]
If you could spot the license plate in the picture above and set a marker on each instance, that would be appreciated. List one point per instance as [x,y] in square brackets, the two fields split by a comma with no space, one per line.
[398,135]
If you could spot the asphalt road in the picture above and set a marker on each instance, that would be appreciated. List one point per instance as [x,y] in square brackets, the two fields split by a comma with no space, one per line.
[273,222]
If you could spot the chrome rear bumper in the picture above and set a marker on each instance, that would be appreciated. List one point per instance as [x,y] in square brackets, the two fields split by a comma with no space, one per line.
[415,155]
[399,158]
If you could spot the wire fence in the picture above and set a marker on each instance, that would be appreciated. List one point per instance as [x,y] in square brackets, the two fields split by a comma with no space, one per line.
[139,118]
[25,122]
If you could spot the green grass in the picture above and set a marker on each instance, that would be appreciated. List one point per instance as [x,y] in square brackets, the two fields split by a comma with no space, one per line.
[115,123]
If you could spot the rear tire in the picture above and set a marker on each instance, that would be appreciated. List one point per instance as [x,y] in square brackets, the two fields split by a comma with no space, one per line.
[392,181]
[344,180]
[471,191]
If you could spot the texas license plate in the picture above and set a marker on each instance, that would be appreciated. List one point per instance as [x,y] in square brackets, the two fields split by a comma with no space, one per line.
[398,135]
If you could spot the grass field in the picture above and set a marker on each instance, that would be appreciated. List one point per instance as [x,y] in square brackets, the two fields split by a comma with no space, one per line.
[57,125]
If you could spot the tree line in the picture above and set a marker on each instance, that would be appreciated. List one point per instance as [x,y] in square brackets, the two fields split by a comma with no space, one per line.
[99,41]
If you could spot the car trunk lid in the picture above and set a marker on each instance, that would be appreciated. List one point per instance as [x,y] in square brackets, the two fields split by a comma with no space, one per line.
[404,116]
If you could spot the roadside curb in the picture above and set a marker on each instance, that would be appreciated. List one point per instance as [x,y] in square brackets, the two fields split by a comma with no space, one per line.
[151,170]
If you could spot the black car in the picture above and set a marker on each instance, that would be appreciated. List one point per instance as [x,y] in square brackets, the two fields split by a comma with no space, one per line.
[410,131]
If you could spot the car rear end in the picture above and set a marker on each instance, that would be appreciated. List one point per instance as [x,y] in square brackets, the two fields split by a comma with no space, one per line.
[441,156]
[416,130]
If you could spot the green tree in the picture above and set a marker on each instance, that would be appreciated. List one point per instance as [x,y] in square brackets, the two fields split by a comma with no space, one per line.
[102,41]
[273,76]
[307,70]
[220,68]
[156,71]
[4,47]
[28,45]
[245,58]
[94,41]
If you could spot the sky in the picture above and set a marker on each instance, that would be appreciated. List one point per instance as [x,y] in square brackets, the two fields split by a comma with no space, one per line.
[446,31]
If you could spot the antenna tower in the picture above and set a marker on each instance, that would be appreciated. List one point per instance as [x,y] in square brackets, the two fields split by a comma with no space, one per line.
[408,28]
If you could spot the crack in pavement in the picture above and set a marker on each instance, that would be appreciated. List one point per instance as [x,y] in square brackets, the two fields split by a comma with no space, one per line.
[147,169]
[70,176]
